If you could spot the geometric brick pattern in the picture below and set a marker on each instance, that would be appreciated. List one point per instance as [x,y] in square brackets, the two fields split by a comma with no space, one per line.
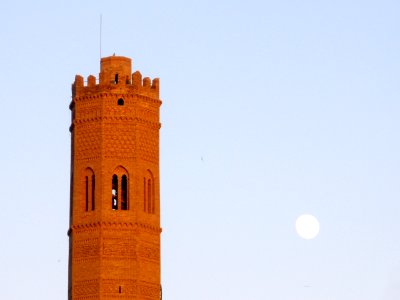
[119,247]
[88,138]
[86,288]
[149,252]
[86,249]
[119,141]
[147,146]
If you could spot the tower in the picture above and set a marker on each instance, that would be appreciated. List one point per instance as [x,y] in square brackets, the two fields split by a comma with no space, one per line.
[114,234]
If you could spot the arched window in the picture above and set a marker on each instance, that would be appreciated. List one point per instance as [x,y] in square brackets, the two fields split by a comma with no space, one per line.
[148,192]
[149,196]
[114,192]
[119,189]
[86,193]
[124,192]
[93,189]
[89,189]
[144,195]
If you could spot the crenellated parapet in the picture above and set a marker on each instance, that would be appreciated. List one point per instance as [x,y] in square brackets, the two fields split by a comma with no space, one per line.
[115,75]
[136,84]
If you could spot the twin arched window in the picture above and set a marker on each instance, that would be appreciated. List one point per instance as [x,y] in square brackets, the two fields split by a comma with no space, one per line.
[148,189]
[90,182]
[119,189]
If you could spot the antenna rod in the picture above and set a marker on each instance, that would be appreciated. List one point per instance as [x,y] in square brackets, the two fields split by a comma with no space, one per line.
[101,21]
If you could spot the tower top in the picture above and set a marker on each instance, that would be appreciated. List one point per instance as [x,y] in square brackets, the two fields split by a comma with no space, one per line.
[116,74]
[115,68]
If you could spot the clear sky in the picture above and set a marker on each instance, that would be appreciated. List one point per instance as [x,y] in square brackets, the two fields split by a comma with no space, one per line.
[270,109]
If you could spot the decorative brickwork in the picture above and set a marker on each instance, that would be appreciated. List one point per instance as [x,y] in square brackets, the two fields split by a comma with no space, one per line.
[110,287]
[88,248]
[86,288]
[88,142]
[149,290]
[149,252]
[119,140]
[114,240]
[148,145]
[118,247]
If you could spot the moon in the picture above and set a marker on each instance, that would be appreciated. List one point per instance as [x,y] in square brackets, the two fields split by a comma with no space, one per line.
[307,226]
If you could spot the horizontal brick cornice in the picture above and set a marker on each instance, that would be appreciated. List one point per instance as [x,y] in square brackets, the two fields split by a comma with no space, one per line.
[116,225]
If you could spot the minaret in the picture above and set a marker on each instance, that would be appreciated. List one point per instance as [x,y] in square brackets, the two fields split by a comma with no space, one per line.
[114,234]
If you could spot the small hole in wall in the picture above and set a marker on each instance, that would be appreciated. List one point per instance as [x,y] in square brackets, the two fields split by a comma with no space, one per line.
[120,289]
[120,101]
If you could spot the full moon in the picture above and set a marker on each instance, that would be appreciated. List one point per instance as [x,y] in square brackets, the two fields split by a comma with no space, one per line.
[307,226]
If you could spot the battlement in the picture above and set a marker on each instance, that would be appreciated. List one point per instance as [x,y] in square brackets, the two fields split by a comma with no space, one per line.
[115,72]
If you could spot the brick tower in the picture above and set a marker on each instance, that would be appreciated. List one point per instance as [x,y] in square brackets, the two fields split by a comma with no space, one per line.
[114,234]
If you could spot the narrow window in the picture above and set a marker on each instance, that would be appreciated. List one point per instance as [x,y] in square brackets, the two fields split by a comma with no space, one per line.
[152,199]
[120,101]
[144,195]
[114,192]
[116,78]
[124,193]
[120,289]
[93,189]
[86,193]
[149,196]
[88,190]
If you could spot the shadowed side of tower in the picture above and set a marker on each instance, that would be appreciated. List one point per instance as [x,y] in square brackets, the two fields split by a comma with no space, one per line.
[114,233]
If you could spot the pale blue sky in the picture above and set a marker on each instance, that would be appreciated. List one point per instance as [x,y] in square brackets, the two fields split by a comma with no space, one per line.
[270,109]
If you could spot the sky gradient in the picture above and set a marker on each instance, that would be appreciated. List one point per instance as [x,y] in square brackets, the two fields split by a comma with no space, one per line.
[271,109]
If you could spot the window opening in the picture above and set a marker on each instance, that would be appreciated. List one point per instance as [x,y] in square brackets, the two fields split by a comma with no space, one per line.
[144,195]
[86,193]
[120,289]
[149,196]
[124,193]
[116,78]
[152,198]
[93,190]
[114,192]
[120,101]
[120,189]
